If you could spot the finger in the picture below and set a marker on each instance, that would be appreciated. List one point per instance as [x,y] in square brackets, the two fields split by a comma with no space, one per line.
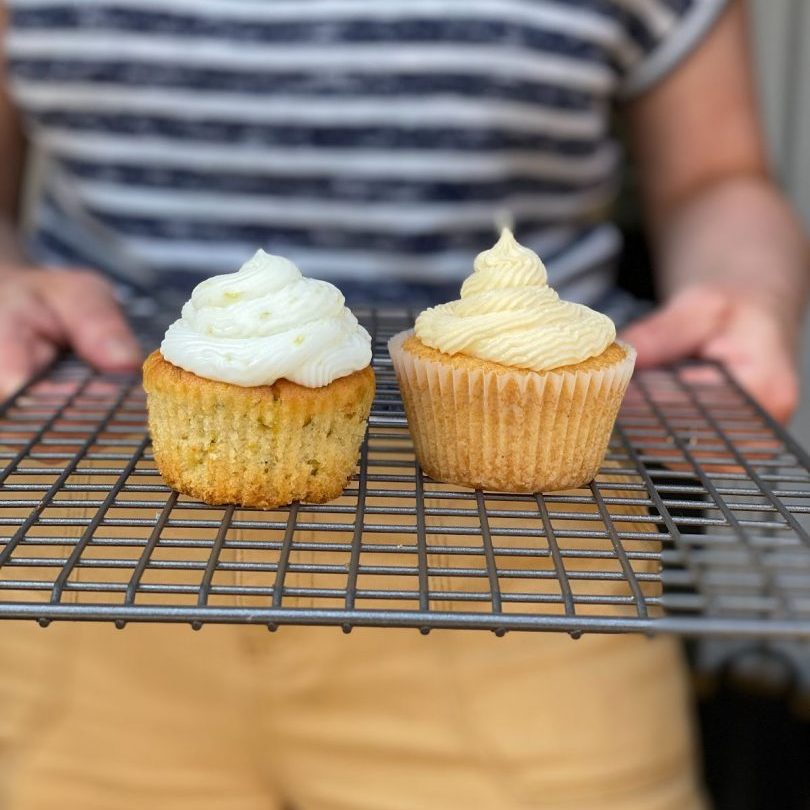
[777,390]
[679,329]
[29,335]
[43,352]
[754,349]
[24,354]
[93,322]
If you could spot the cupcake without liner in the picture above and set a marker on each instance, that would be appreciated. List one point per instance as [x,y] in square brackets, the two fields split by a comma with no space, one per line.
[511,388]
[260,393]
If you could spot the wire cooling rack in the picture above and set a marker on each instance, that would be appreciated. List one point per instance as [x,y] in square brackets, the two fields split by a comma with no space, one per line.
[696,525]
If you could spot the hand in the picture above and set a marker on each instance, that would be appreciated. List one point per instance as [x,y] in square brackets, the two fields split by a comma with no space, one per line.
[749,334]
[42,311]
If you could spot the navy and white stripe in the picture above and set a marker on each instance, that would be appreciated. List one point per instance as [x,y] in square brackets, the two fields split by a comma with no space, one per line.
[366,139]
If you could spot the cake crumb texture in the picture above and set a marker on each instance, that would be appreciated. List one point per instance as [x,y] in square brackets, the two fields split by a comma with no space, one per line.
[261,447]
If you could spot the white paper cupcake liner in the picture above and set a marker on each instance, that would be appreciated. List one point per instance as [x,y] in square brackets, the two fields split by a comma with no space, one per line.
[513,432]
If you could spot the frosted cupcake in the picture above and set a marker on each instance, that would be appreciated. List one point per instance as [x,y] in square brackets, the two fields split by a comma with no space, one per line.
[510,388]
[260,392]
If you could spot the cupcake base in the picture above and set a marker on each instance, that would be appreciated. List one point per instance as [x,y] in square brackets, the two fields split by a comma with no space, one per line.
[260,447]
[488,426]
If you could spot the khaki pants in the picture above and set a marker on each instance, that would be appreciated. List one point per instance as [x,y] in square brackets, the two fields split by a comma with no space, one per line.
[238,718]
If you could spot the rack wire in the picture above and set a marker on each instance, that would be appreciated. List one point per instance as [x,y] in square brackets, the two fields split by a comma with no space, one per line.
[697,524]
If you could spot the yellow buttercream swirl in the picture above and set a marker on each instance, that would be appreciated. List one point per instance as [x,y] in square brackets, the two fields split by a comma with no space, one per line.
[508,314]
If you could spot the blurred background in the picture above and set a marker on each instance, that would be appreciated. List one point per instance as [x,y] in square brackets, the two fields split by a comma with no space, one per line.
[757,709]
[782,49]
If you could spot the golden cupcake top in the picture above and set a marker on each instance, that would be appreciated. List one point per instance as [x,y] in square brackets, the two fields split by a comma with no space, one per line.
[508,314]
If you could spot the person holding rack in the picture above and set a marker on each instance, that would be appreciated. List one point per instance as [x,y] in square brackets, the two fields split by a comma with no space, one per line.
[371,142]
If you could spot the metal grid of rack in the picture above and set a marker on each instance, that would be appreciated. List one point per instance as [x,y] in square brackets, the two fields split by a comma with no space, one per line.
[697,524]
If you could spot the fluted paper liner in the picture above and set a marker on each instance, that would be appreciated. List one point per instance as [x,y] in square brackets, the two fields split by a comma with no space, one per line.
[513,432]
[262,447]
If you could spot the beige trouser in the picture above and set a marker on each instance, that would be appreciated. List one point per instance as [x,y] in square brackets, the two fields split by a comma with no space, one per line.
[158,716]
[237,718]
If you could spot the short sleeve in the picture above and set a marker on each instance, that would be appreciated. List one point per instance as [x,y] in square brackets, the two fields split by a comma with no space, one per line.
[657,35]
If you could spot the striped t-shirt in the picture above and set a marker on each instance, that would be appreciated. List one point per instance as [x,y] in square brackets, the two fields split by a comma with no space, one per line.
[364,139]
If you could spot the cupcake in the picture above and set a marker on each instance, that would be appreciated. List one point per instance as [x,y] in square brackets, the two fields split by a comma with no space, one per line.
[511,388]
[260,392]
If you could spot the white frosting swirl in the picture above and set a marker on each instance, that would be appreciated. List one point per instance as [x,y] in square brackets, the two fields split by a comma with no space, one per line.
[265,322]
[509,315]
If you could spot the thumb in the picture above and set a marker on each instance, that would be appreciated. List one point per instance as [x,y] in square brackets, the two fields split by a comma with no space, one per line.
[679,328]
[92,321]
